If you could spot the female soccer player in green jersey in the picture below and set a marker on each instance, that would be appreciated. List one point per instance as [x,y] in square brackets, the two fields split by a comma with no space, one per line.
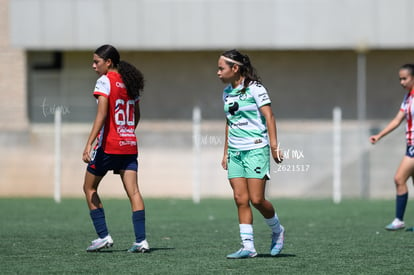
[250,134]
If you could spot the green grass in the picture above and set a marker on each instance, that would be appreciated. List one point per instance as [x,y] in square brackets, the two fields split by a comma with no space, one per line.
[39,236]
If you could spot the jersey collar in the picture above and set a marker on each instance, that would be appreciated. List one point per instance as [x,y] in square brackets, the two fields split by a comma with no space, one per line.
[233,90]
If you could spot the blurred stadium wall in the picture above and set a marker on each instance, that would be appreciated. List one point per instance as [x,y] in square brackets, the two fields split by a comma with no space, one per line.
[305,50]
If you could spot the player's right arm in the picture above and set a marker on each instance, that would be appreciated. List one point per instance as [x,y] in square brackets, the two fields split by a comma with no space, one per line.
[99,122]
[226,146]
[394,123]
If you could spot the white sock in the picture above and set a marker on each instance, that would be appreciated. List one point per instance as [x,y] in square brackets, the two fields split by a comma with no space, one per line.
[246,234]
[274,224]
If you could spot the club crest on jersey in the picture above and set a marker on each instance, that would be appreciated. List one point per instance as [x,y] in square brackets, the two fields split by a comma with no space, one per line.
[243,96]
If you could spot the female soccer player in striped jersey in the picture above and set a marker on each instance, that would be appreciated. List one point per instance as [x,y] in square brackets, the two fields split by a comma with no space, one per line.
[406,168]
[117,92]
[250,134]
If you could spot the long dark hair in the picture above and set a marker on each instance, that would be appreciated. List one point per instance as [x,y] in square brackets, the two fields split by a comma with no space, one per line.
[246,69]
[132,77]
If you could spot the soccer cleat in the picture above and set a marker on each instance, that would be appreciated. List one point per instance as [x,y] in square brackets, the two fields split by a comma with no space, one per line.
[277,242]
[242,253]
[395,225]
[100,243]
[139,247]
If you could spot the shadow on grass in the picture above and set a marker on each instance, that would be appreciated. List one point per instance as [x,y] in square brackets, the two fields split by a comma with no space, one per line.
[154,249]
[277,256]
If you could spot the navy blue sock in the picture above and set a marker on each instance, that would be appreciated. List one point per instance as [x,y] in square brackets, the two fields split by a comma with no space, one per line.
[401,203]
[98,219]
[138,220]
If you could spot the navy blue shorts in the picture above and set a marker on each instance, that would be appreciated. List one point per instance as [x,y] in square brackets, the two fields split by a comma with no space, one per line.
[102,162]
[410,151]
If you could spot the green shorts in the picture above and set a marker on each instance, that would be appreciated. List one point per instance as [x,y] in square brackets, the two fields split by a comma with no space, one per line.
[248,164]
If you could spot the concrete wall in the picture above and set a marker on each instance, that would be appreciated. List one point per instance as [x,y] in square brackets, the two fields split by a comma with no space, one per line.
[212,24]
[302,84]
[13,93]
[168,166]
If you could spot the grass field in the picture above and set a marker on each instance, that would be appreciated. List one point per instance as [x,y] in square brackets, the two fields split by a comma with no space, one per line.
[39,236]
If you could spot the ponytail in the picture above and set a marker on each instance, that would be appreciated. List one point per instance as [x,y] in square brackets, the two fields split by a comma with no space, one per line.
[132,77]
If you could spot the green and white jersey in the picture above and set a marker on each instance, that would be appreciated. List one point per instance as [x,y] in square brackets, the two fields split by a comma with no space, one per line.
[247,126]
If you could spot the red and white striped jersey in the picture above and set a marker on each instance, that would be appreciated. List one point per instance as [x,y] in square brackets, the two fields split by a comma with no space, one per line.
[117,136]
[407,108]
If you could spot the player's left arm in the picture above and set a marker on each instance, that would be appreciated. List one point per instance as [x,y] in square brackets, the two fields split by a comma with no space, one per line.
[99,122]
[267,112]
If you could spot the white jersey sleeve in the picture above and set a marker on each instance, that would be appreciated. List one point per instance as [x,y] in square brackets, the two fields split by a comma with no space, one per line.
[260,95]
[102,86]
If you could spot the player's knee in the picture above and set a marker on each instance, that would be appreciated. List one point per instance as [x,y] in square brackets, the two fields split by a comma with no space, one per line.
[257,202]
[241,199]
[399,181]
[88,190]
